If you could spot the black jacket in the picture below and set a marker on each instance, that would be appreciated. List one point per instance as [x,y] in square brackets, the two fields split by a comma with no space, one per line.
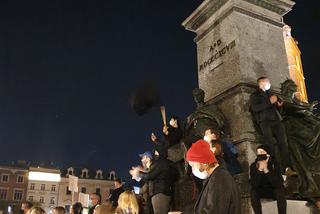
[159,177]
[271,180]
[219,195]
[261,107]
[114,196]
[174,136]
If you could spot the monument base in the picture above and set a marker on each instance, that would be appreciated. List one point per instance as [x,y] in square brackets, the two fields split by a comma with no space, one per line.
[270,207]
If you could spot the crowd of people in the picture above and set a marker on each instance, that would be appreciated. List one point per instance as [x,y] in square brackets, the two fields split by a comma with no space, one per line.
[212,165]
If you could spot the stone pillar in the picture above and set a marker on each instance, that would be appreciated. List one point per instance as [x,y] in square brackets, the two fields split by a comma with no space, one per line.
[237,42]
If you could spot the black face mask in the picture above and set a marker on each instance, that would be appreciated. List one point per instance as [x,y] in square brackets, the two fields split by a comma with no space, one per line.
[262,157]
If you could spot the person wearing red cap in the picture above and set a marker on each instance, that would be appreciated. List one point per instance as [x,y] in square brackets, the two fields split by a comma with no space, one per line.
[219,194]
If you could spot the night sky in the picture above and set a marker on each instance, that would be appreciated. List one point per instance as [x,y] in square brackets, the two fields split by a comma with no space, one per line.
[67,69]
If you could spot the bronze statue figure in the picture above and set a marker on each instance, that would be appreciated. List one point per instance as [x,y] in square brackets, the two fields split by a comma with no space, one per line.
[303,132]
[204,117]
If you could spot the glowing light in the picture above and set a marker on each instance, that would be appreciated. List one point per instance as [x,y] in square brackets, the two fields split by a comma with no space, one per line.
[44,176]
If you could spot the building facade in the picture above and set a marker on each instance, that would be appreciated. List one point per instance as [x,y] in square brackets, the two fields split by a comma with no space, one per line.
[89,181]
[48,187]
[43,187]
[295,63]
[13,186]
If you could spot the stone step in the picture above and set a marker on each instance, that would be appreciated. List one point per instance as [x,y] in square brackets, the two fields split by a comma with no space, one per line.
[293,207]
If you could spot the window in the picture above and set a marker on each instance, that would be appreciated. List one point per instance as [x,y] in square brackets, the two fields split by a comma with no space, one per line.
[3,194]
[68,192]
[85,173]
[17,195]
[70,171]
[5,178]
[43,187]
[41,199]
[32,185]
[83,189]
[53,188]
[52,200]
[112,175]
[99,174]
[20,179]
[30,198]
[97,190]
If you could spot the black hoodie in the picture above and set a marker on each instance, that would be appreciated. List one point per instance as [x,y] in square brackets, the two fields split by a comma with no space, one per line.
[262,180]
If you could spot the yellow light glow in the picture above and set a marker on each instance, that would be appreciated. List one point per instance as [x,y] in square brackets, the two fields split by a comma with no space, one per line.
[44,176]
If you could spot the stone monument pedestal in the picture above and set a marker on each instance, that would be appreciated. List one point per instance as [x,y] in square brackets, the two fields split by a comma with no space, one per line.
[270,207]
[237,42]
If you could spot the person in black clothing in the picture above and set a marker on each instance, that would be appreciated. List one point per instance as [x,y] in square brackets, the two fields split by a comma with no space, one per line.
[173,132]
[115,193]
[265,108]
[266,180]
[160,181]
[95,199]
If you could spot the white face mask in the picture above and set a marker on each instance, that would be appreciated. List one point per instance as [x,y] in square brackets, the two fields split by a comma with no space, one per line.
[202,175]
[266,86]
[206,138]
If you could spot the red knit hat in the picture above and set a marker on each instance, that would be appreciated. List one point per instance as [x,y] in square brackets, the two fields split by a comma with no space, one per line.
[200,152]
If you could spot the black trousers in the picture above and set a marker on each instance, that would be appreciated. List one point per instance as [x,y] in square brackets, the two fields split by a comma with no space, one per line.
[274,134]
[276,194]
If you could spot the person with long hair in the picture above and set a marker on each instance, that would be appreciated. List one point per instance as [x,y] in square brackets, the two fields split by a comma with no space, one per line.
[127,203]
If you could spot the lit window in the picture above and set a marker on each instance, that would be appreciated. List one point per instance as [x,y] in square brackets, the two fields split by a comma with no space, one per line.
[20,179]
[18,195]
[5,178]
[3,194]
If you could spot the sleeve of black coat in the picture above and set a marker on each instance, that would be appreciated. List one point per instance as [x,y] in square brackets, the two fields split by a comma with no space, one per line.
[256,105]
[154,172]
[255,175]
